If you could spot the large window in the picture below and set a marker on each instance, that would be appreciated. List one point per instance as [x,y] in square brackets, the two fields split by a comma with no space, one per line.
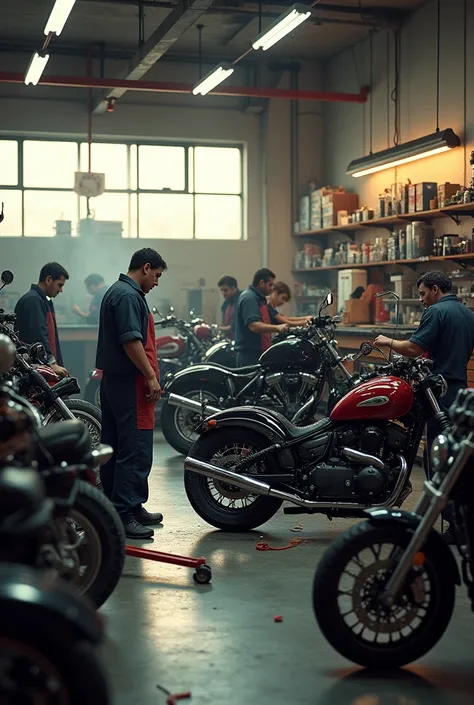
[173,191]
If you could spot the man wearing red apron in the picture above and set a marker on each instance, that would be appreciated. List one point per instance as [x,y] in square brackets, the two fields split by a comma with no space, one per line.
[35,316]
[126,352]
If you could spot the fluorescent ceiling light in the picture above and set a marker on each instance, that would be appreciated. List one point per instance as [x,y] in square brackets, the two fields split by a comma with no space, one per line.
[35,68]
[295,16]
[58,17]
[213,79]
[428,146]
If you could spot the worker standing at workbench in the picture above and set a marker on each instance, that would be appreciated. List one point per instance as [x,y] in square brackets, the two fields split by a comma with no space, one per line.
[126,352]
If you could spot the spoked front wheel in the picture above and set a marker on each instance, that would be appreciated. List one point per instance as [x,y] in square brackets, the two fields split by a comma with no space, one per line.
[347,586]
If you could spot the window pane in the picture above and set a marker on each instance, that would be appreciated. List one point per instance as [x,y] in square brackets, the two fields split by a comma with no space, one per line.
[133,167]
[109,206]
[217,170]
[12,210]
[133,215]
[8,163]
[108,159]
[161,168]
[218,217]
[49,164]
[44,208]
[165,215]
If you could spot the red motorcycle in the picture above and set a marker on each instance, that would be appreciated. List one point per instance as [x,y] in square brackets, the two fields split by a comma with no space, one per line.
[193,342]
[249,460]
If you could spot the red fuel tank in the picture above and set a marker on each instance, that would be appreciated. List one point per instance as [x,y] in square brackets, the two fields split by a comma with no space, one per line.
[50,375]
[170,346]
[381,398]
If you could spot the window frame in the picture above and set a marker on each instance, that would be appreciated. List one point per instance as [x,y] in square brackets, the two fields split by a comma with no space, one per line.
[186,144]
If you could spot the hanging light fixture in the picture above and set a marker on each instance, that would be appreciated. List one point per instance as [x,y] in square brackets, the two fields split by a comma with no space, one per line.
[285,24]
[35,68]
[427,146]
[213,79]
[58,17]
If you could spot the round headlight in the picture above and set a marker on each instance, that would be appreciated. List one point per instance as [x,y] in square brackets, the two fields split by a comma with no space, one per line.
[439,452]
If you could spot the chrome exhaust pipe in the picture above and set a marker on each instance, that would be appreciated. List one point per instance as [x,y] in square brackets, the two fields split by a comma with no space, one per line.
[363,458]
[191,404]
[258,487]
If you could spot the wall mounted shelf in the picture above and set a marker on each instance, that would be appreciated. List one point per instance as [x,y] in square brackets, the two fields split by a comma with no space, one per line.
[462,259]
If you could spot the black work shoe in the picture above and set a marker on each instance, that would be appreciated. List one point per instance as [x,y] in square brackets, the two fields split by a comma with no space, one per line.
[135,530]
[148,518]
[449,536]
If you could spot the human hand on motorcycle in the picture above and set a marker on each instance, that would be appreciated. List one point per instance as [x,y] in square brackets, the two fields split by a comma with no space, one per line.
[154,389]
[382,341]
[283,328]
[60,371]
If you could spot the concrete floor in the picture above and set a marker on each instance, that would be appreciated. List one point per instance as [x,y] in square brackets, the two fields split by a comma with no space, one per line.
[221,641]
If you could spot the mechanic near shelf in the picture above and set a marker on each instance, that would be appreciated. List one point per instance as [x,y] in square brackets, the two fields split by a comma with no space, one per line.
[445,335]
[126,352]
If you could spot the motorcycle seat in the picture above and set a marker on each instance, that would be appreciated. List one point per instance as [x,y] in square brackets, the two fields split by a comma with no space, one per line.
[299,431]
[66,442]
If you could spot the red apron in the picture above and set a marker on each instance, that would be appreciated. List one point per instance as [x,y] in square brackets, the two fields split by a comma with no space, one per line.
[146,409]
[266,338]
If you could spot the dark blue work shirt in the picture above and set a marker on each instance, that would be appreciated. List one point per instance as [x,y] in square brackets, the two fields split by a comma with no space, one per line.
[124,316]
[252,306]
[228,311]
[446,333]
[96,303]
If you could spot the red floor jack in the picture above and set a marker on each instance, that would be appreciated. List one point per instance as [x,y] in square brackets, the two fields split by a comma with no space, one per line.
[202,574]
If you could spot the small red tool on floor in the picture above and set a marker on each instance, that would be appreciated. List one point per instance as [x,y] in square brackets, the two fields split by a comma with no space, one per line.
[202,574]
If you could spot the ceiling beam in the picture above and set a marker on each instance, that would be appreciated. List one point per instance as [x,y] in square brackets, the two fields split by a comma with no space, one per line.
[170,30]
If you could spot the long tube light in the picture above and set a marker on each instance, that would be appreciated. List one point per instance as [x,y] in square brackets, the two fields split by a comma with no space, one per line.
[213,79]
[35,68]
[428,146]
[285,24]
[58,17]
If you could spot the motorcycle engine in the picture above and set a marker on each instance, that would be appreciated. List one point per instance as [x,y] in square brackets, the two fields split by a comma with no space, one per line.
[292,388]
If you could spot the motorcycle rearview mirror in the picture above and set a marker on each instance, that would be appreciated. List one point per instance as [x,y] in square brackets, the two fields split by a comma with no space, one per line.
[7,277]
[7,354]
[328,299]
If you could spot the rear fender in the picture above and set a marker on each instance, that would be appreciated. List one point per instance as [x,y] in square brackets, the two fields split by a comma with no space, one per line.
[198,374]
[411,521]
[255,418]
[28,593]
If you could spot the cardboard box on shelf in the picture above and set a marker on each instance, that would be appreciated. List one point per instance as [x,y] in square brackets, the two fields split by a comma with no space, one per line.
[446,191]
[357,311]
[338,201]
[425,192]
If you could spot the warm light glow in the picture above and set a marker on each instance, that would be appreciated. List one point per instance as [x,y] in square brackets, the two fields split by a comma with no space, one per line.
[213,79]
[399,162]
[283,27]
[58,17]
[35,69]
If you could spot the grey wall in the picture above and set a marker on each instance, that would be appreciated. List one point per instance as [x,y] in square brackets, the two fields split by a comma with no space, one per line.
[61,111]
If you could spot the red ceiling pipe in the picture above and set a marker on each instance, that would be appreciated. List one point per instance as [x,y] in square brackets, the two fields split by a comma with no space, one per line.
[186,88]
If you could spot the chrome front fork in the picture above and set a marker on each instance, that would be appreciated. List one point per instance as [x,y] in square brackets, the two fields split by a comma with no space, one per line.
[430,505]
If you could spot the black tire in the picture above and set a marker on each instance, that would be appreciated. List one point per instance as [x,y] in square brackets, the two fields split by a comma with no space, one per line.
[56,651]
[89,414]
[105,544]
[198,489]
[342,636]
[92,392]
[171,415]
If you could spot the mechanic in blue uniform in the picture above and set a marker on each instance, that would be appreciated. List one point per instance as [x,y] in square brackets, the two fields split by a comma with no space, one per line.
[96,287]
[446,336]
[230,291]
[35,315]
[253,321]
[130,387]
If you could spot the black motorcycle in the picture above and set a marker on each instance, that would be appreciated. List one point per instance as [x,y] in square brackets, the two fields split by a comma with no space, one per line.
[248,461]
[384,592]
[36,381]
[85,543]
[290,378]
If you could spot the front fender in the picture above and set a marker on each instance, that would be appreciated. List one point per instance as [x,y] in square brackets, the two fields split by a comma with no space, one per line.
[197,374]
[33,595]
[411,521]
[258,419]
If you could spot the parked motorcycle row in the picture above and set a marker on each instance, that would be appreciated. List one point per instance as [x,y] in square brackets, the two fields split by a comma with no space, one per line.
[62,550]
